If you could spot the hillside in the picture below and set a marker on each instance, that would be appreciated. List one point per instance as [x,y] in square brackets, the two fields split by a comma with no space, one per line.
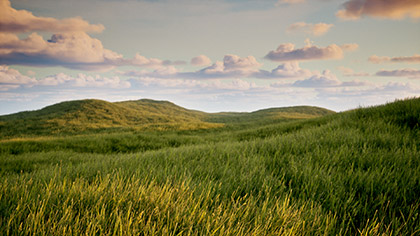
[91,115]
[351,173]
[84,116]
[269,115]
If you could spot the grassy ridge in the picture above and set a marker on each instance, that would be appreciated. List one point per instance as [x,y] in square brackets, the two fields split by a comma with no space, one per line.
[87,116]
[353,173]
[97,116]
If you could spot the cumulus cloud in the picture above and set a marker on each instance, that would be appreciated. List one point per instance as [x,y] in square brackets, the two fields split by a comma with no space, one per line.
[287,52]
[392,9]
[16,21]
[308,28]
[76,50]
[201,60]
[232,66]
[9,76]
[377,59]
[409,73]
[70,46]
[142,61]
[234,62]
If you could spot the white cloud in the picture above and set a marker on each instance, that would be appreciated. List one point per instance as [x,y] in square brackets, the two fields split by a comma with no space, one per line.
[309,28]
[9,76]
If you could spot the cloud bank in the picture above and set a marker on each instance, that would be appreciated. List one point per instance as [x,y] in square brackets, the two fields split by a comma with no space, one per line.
[325,80]
[17,21]
[75,50]
[391,9]
[70,46]
[377,59]
[409,73]
[9,76]
[232,66]
[287,52]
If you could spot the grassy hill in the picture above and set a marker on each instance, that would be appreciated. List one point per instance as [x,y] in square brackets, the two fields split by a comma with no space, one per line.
[350,173]
[268,115]
[84,116]
[93,115]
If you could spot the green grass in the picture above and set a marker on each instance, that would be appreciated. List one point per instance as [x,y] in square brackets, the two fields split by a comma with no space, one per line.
[352,173]
[97,116]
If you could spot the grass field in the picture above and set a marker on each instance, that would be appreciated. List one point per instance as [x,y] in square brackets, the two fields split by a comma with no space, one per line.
[291,171]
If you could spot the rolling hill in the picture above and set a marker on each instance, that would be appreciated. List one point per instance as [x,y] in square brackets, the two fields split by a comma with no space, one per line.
[83,116]
[351,173]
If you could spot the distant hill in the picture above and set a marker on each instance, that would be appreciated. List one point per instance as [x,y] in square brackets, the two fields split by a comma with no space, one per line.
[270,114]
[97,115]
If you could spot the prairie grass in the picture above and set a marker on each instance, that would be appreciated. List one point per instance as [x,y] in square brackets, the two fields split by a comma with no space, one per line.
[352,173]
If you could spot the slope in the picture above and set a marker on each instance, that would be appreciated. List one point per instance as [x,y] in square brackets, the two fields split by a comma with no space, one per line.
[87,116]
[96,115]
[352,173]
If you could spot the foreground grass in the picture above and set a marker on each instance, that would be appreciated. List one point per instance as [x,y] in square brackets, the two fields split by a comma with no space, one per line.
[355,173]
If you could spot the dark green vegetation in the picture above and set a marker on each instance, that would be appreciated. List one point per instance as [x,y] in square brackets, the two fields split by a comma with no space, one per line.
[261,173]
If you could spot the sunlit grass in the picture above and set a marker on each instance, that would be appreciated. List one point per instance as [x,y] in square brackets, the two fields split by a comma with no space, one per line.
[353,173]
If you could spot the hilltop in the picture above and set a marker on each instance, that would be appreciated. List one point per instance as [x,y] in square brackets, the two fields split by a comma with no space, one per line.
[81,116]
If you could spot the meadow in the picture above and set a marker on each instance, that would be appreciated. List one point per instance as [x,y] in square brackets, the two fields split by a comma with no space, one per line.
[291,171]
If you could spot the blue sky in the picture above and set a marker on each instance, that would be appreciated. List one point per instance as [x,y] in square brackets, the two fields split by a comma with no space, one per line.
[220,55]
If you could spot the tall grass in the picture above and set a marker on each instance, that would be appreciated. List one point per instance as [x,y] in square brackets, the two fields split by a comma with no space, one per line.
[354,173]
[115,205]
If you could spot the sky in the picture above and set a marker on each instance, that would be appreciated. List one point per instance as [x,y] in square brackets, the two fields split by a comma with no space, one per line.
[209,55]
